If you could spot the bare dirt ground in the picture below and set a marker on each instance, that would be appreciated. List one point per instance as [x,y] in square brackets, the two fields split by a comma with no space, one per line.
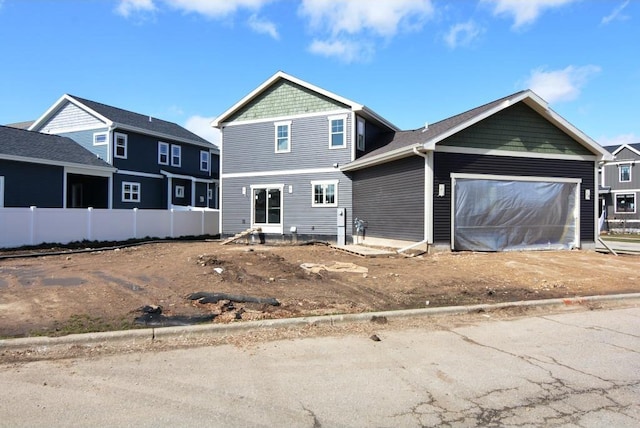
[104,290]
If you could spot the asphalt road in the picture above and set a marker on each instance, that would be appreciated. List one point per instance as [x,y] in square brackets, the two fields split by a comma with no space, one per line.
[576,369]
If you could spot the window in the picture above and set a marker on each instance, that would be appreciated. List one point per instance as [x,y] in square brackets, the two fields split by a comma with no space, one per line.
[625,203]
[204,161]
[100,139]
[325,193]
[120,150]
[624,173]
[209,193]
[176,155]
[179,191]
[130,192]
[163,153]
[267,204]
[336,131]
[361,132]
[283,137]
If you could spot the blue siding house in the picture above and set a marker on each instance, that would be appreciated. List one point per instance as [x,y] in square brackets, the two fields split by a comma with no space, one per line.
[158,164]
[50,171]
[297,160]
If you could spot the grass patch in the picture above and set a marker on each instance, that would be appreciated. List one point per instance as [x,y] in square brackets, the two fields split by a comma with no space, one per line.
[84,323]
[621,238]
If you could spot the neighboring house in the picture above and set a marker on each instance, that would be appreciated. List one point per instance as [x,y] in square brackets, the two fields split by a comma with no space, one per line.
[159,164]
[511,174]
[50,171]
[621,184]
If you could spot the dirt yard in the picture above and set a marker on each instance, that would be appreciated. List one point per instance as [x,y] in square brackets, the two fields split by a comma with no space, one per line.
[106,289]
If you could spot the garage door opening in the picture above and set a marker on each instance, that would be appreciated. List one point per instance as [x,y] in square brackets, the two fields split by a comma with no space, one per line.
[505,213]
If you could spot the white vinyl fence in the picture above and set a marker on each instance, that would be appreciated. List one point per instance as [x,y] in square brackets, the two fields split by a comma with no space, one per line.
[34,226]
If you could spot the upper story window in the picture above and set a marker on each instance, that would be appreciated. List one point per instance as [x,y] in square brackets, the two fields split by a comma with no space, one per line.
[361,132]
[325,193]
[204,160]
[100,139]
[624,173]
[130,192]
[336,131]
[283,136]
[120,149]
[176,155]
[163,153]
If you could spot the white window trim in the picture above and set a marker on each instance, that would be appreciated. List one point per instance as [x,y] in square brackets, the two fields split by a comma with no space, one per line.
[324,183]
[168,153]
[138,192]
[620,180]
[179,191]
[179,147]
[115,145]
[342,117]
[106,138]
[270,227]
[286,123]
[615,202]
[362,146]
[208,160]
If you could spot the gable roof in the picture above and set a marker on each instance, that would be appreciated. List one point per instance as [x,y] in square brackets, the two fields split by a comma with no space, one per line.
[30,146]
[404,143]
[280,75]
[124,119]
[635,148]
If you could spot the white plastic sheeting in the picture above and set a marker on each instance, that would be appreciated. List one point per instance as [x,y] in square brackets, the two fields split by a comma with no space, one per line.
[504,215]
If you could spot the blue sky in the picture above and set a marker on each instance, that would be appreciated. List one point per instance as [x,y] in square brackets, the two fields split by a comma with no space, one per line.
[411,61]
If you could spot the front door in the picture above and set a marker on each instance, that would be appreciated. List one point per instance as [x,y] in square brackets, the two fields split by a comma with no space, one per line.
[267,209]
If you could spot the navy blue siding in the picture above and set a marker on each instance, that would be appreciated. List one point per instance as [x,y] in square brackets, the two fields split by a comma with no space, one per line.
[30,184]
[152,192]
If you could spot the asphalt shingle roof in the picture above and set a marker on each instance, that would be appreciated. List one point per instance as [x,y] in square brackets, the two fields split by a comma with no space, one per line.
[54,148]
[129,118]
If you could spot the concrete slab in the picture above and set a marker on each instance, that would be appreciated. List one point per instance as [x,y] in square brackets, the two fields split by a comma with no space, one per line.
[363,251]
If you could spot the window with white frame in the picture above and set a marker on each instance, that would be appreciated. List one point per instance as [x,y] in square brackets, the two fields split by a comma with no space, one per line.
[625,203]
[360,143]
[336,131]
[283,136]
[130,191]
[163,153]
[624,172]
[204,160]
[120,146]
[100,139]
[179,191]
[176,155]
[324,193]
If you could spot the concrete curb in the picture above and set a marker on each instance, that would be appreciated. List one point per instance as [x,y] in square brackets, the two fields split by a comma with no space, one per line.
[141,336]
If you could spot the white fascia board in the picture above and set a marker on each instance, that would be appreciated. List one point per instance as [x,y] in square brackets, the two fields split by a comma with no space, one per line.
[139,174]
[367,112]
[35,126]
[56,163]
[491,152]
[381,158]
[218,121]
[279,172]
[88,171]
[187,177]
[119,126]
[625,146]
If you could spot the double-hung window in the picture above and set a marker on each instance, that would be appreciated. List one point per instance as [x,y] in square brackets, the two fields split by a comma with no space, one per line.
[625,203]
[337,136]
[176,155]
[163,153]
[624,172]
[283,136]
[204,160]
[324,193]
[360,143]
[120,149]
[130,192]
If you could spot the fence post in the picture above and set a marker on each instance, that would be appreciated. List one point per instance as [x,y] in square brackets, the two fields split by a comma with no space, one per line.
[202,222]
[171,223]
[135,223]
[89,223]
[32,226]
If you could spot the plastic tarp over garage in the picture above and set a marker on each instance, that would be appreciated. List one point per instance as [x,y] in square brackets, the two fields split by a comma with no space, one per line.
[496,213]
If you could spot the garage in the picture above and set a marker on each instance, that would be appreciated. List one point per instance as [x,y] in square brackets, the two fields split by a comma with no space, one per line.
[506,213]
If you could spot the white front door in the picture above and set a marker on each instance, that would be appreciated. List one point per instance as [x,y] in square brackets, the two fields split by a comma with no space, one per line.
[266,208]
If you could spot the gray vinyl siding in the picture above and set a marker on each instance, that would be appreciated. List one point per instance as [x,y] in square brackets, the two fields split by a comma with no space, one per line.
[85,139]
[251,147]
[390,198]
[297,207]
[447,163]
[70,116]
[27,184]
[612,175]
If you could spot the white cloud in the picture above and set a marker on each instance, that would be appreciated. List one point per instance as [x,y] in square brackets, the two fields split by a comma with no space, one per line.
[616,14]
[462,34]
[561,85]
[201,126]
[262,26]
[524,12]
[619,139]
[216,8]
[345,50]
[128,7]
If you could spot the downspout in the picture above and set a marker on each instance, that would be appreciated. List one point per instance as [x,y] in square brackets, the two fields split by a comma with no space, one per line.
[428,201]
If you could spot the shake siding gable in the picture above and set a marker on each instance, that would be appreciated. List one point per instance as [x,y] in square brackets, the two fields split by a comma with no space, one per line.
[70,116]
[283,99]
